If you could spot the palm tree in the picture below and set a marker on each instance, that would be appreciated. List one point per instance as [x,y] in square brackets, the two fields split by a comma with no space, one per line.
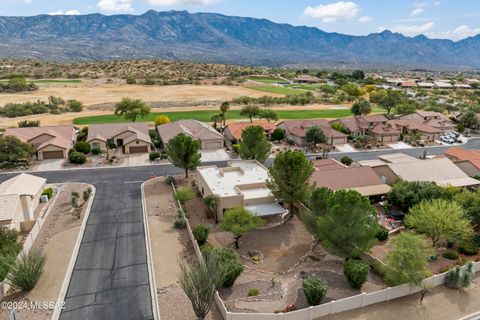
[224,107]
[212,204]
[216,118]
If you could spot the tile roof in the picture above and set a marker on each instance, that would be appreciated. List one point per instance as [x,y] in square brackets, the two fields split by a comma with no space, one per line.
[327,164]
[361,179]
[104,132]
[460,154]
[299,128]
[414,125]
[62,136]
[439,170]
[193,128]
[22,184]
[236,129]
[8,204]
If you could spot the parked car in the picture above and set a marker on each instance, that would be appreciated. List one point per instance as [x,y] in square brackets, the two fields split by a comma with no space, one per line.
[448,140]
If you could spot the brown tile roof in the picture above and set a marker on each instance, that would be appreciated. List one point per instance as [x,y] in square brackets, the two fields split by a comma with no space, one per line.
[414,125]
[193,128]
[104,132]
[236,129]
[299,127]
[350,178]
[385,129]
[462,154]
[61,136]
[327,164]
[349,123]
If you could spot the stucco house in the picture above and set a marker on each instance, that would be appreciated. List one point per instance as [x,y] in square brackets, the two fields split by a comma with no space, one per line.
[467,160]
[431,118]
[209,138]
[241,183]
[411,127]
[19,197]
[233,131]
[49,142]
[297,131]
[132,137]
[377,126]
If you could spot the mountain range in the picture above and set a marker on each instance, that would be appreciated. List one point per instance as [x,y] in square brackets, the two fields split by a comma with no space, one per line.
[209,37]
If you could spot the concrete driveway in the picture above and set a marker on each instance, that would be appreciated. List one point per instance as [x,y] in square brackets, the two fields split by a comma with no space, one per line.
[345,148]
[214,155]
[49,165]
[134,160]
[399,145]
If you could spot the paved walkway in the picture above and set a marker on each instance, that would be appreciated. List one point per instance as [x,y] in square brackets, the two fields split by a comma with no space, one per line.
[441,304]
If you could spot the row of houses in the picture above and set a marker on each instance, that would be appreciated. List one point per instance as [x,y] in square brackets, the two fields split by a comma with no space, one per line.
[53,142]
[439,84]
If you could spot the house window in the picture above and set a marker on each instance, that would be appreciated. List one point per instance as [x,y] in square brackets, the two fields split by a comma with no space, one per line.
[137,142]
[95,145]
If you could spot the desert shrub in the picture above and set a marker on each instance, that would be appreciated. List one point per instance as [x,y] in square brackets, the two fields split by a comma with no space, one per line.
[48,192]
[8,241]
[111,145]
[236,148]
[184,194]
[26,271]
[278,135]
[356,272]
[382,234]
[451,255]
[459,277]
[200,233]
[82,147]
[96,151]
[180,221]
[253,292]
[467,248]
[206,248]
[154,155]
[74,105]
[131,80]
[315,290]
[77,158]
[6,261]
[231,262]
[28,123]
[169,180]
[346,160]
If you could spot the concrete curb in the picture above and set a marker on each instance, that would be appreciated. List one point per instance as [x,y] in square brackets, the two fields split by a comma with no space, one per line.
[73,259]
[153,285]
[474,316]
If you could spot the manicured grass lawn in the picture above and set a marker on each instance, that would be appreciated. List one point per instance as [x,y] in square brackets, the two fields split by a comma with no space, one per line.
[311,87]
[205,115]
[275,89]
[265,79]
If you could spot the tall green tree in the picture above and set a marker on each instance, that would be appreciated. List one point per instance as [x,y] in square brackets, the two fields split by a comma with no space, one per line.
[361,107]
[406,194]
[183,152]
[250,111]
[441,220]
[199,281]
[315,135]
[390,100]
[13,149]
[269,115]
[239,221]
[470,201]
[224,107]
[289,177]
[407,260]
[131,109]
[254,144]
[469,120]
[349,225]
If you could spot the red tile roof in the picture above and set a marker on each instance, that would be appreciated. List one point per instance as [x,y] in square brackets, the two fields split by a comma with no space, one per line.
[236,129]
[61,136]
[299,127]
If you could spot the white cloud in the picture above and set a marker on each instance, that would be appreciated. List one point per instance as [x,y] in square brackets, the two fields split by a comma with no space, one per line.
[27,1]
[436,3]
[417,11]
[181,2]
[66,13]
[413,30]
[333,12]
[365,19]
[115,5]
[461,32]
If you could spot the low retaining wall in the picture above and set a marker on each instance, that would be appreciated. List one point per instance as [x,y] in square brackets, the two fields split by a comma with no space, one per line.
[337,306]
[33,234]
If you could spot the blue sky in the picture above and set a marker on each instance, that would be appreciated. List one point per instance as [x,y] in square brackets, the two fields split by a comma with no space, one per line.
[449,19]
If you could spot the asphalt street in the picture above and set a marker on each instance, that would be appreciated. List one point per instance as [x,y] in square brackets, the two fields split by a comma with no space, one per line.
[110,278]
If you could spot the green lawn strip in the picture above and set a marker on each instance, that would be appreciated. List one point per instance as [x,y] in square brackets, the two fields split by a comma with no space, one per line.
[311,87]
[276,89]
[205,115]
